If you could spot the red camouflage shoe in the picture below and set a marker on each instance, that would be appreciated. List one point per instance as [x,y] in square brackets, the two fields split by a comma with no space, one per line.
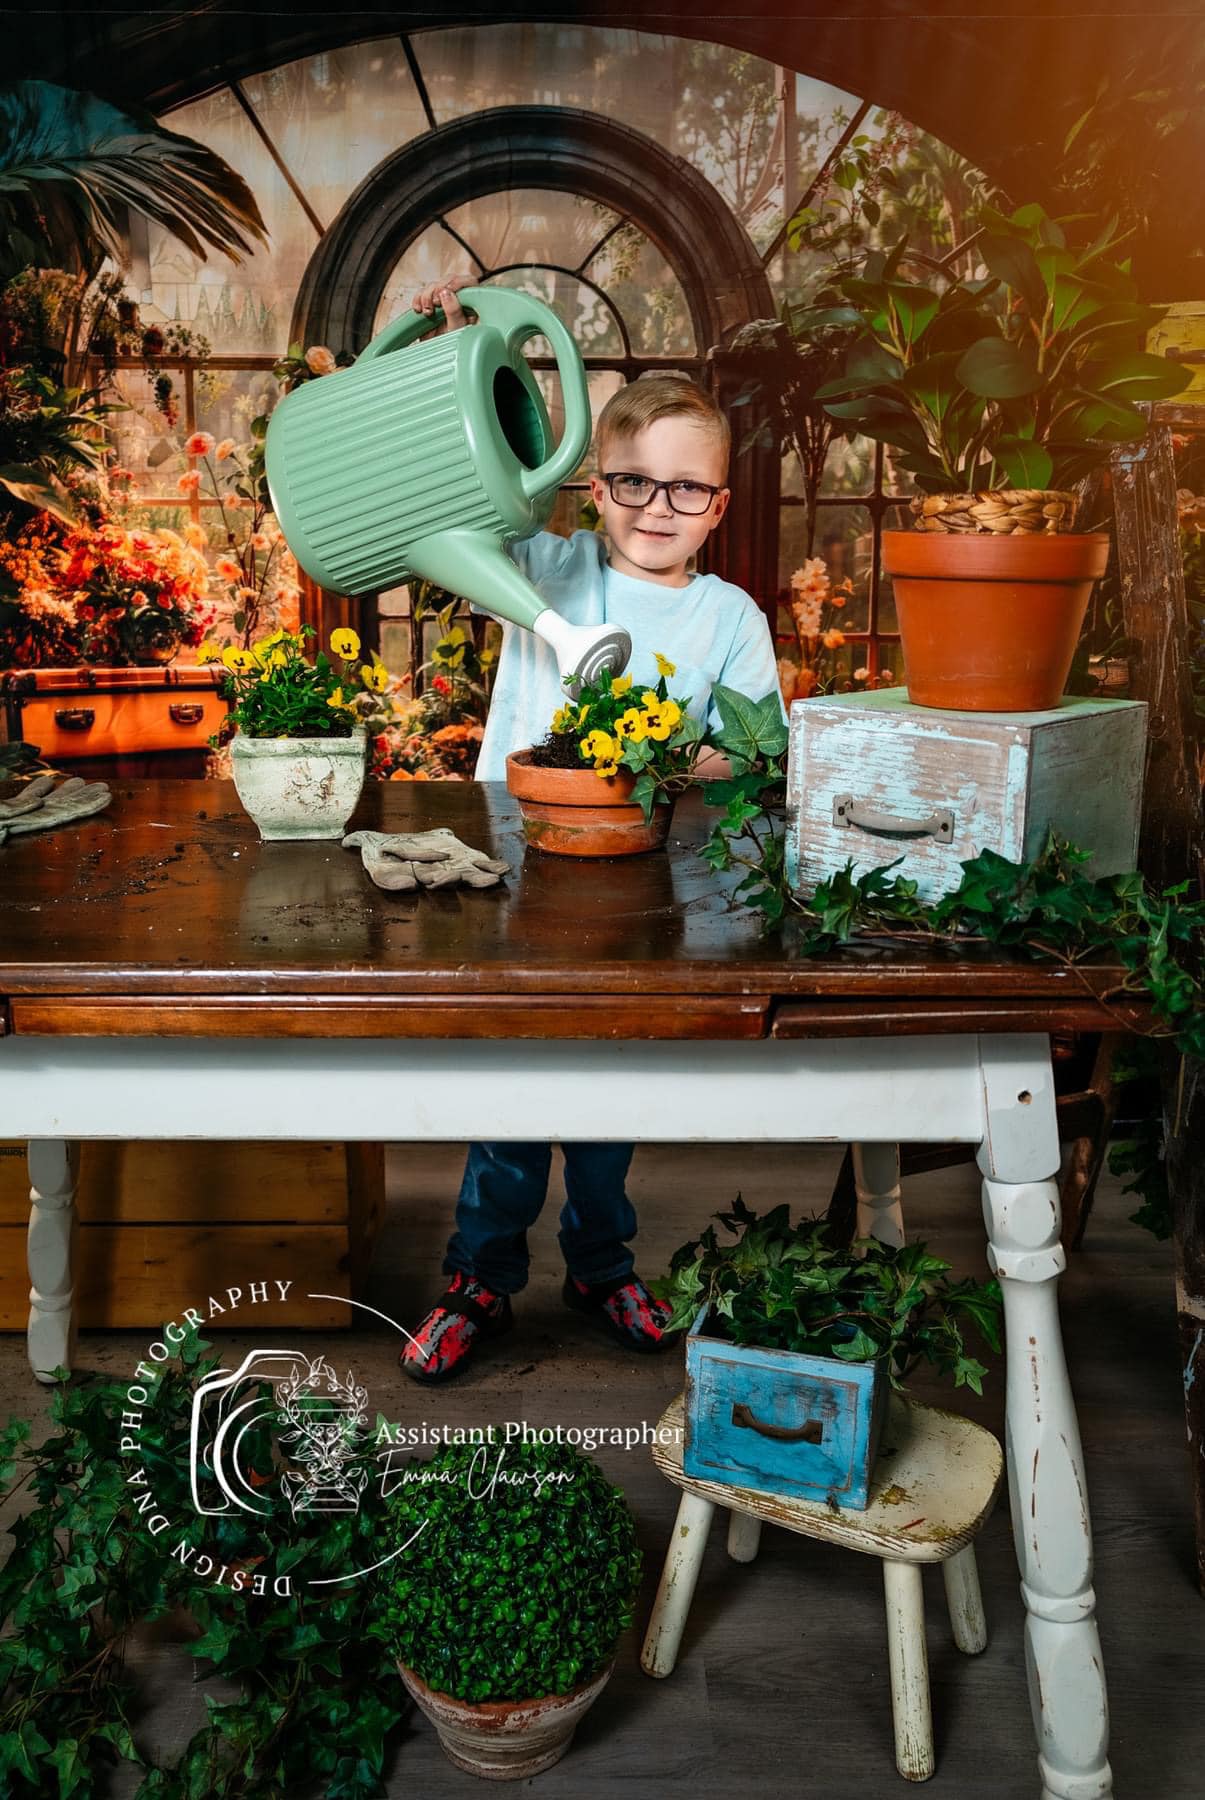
[452,1331]
[625,1309]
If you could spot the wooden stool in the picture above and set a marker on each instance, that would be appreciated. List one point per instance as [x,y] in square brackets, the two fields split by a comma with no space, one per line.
[934,1485]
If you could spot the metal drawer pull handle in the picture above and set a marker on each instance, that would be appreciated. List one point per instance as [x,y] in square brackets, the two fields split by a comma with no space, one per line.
[847,811]
[74,718]
[182,713]
[812,1432]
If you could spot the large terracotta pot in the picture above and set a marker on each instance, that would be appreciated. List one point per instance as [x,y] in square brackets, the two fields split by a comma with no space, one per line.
[505,1740]
[574,812]
[990,624]
[299,787]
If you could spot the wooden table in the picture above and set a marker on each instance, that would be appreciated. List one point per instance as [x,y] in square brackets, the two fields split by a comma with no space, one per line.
[165,975]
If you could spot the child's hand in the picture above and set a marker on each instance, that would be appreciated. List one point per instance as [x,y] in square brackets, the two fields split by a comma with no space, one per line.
[443,295]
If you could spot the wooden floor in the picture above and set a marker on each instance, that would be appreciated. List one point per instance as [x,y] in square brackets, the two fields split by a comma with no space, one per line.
[782,1686]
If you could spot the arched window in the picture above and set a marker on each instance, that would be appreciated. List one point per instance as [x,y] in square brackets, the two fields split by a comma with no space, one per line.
[316,137]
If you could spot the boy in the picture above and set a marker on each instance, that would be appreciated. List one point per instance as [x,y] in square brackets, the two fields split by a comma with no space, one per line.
[663,448]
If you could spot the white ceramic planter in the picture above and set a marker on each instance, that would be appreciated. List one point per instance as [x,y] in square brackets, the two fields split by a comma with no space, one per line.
[299,787]
[505,1740]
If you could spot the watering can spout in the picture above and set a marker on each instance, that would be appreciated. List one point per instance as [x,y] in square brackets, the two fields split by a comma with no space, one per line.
[473,565]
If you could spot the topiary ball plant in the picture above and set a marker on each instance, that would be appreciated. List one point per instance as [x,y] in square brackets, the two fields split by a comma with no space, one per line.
[521,1579]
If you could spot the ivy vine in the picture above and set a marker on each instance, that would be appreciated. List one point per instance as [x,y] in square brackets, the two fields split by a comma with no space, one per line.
[318,1702]
[1046,909]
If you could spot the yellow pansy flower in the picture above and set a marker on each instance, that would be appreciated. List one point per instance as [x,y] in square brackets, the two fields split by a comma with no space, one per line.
[583,712]
[563,719]
[241,661]
[664,666]
[605,769]
[336,699]
[599,744]
[658,727]
[632,725]
[345,643]
[650,700]
[621,684]
[376,678]
[209,651]
[671,712]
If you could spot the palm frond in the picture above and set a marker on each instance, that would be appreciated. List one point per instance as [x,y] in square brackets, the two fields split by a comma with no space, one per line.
[96,160]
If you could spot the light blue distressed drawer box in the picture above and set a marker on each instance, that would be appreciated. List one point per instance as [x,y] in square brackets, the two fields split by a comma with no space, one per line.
[872,778]
[780,1421]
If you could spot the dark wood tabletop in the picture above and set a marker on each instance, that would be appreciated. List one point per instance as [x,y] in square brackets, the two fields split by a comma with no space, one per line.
[166,915]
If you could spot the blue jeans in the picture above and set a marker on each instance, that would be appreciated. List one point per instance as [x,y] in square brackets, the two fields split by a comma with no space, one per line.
[503,1192]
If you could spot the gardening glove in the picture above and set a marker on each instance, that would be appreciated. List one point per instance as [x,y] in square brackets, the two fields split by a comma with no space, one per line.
[40,805]
[402,860]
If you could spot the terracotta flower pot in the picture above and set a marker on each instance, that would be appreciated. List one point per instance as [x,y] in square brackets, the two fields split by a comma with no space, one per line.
[575,812]
[505,1740]
[990,624]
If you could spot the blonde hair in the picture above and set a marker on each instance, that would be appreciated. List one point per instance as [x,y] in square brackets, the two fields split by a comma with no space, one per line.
[652,397]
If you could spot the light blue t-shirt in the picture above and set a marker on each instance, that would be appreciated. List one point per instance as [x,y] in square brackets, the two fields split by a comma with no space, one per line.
[710,630]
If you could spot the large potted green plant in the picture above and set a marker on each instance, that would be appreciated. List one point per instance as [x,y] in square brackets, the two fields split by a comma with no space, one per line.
[794,1340]
[504,1608]
[1001,394]
[298,749]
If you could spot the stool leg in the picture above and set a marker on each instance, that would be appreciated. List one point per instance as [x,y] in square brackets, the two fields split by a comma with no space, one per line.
[909,1670]
[877,1180]
[965,1602]
[744,1536]
[676,1590]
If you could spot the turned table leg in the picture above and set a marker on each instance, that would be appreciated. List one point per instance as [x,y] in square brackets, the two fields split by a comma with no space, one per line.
[1047,1489]
[53,1169]
[877,1182]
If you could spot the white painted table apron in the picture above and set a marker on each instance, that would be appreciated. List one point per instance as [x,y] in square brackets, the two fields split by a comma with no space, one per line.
[995,1092]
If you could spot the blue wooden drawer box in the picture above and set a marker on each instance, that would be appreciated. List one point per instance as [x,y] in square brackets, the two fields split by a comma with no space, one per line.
[779,1421]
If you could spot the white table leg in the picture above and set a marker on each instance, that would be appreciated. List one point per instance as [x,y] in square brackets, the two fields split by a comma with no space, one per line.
[53,1169]
[877,1181]
[964,1601]
[744,1536]
[676,1590]
[1047,1489]
[909,1662]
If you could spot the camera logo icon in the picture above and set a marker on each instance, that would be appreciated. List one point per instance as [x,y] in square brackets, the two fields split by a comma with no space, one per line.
[280,1426]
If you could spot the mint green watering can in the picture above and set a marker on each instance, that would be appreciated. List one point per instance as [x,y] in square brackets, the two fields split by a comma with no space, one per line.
[426,459]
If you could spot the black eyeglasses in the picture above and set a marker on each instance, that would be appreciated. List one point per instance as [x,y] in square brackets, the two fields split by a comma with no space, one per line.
[683,496]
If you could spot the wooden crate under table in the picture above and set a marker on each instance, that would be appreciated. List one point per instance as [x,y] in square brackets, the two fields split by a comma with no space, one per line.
[162,1226]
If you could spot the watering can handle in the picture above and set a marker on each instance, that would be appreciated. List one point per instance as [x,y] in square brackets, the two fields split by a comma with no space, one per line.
[518,317]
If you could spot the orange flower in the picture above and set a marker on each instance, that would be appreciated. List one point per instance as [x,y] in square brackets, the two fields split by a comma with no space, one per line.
[319,361]
[188,484]
[199,444]
[228,569]
[224,449]
[401,775]
[833,640]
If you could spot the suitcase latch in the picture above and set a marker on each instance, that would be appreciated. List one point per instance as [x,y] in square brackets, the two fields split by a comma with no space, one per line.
[74,718]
